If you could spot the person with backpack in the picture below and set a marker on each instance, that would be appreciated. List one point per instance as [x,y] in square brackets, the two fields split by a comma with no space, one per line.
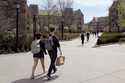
[53,53]
[38,50]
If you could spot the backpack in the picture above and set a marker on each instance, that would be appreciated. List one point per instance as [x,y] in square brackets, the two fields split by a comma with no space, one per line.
[49,44]
[55,42]
[35,47]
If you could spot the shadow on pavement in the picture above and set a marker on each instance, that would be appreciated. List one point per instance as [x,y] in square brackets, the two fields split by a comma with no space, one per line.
[37,80]
[101,45]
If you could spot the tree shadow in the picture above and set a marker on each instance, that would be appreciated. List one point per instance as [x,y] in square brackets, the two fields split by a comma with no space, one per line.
[39,79]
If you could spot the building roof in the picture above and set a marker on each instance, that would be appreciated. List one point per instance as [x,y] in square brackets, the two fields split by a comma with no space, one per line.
[59,13]
[45,13]
[100,19]
[68,9]
[34,9]
[76,12]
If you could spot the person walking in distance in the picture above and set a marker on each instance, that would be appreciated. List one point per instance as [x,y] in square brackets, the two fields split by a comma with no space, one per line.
[88,35]
[38,50]
[53,53]
[82,38]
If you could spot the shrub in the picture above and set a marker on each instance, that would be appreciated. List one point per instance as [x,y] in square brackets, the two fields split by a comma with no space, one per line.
[122,40]
[110,37]
[8,43]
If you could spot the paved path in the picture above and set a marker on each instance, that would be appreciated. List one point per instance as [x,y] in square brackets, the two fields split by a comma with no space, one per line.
[84,64]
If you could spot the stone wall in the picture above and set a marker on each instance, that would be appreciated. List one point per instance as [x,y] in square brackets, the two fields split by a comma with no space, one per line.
[99,24]
[8,22]
[8,15]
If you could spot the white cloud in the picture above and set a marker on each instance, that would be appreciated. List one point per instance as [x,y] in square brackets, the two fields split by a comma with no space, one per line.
[93,2]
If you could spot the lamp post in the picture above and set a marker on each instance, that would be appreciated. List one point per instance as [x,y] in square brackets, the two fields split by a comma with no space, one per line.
[34,26]
[17,25]
[62,29]
[34,13]
[97,27]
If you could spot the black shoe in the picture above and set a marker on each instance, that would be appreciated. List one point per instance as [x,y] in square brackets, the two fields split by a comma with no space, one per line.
[49,77]
[54,71]
[32,77]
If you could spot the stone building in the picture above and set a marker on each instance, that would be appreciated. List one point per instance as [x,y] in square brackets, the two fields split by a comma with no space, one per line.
[116,16]
[54,21]
[113,15]
[78,20]
[34,18]
[8,15]
[68,16]
[73,20]
[99,24]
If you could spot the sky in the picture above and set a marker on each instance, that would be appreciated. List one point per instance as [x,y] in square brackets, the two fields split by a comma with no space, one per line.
[90,8]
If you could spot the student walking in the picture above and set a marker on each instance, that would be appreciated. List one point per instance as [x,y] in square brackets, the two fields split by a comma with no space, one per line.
[38,50]
[53,53]
[82,38]
[88,35]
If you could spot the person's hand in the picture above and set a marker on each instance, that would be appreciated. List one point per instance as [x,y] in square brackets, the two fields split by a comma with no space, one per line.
[60,51]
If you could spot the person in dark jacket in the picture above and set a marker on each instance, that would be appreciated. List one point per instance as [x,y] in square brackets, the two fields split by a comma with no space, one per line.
[88,35]
[38,56]
[82,38]
[53,54]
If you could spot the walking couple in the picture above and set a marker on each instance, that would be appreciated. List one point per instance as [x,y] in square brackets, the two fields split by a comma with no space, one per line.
[39,46]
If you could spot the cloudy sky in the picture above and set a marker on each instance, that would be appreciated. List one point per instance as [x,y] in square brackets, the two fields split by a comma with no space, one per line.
[90,8]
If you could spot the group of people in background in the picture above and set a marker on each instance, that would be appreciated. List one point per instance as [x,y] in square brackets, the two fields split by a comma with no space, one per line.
[47,43]
[87,35]
[95,33]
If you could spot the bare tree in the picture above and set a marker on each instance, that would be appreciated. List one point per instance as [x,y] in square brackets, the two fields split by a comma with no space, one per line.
[49,6]
[56,7]
[63,4]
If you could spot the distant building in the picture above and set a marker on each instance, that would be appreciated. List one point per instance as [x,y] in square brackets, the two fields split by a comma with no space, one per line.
[68,16]
[54,21]
[113,15]
[99,24]
[73,20]
[116,17]
[34,18]
[78,20]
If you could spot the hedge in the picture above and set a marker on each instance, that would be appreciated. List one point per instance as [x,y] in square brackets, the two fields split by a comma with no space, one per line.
[110,37]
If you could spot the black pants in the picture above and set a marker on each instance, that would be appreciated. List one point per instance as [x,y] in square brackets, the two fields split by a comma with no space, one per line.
[82,41]
[53,56]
